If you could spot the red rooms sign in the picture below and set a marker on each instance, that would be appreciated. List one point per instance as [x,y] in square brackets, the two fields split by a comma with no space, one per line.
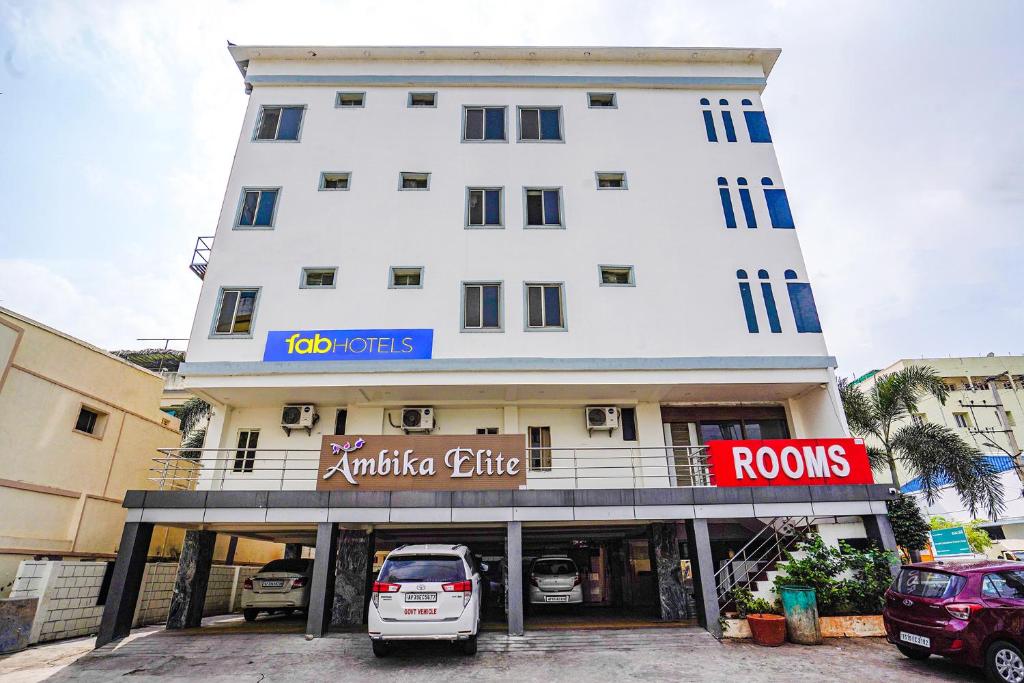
[789,462]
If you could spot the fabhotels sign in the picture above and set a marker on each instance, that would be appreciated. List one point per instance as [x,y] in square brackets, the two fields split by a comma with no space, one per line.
[422,461]
[789,462]
[297,345]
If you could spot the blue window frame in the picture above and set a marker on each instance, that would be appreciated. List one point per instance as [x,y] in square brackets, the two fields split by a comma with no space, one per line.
[723,193]
[757,126]
[279,123]
[747,203]
[257,208]
[748,302]
[802,300]
[778,205]
[769,302]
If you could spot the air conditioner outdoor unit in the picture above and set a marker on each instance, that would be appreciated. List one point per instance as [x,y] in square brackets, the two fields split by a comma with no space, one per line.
[604,418]
[299,416]
[417,420]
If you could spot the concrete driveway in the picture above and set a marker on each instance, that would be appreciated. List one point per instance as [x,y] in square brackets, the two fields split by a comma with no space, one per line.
[224,653]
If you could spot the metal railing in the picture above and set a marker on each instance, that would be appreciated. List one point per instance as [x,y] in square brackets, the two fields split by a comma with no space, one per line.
[201,256]
[297,469]
[760,554]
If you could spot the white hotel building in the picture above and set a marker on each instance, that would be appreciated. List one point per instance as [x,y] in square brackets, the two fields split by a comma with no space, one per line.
[510,238]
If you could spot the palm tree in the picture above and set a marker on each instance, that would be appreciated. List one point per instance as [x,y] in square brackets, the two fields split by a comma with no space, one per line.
[931,452]
[191,414]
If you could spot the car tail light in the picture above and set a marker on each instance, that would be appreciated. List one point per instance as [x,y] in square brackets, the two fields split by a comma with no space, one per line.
[383,587]
[534,581]
[962,610]
[575,580]
[457,587]
[299,582]
[248,584]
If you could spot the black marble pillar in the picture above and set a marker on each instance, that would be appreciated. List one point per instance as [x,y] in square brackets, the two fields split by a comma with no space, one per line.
[292,551]
[125,582]
[321,596]
[189,595]
[350,577]
[664,542]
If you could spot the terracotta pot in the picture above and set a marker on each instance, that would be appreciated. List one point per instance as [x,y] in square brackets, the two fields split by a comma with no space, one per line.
[767,629]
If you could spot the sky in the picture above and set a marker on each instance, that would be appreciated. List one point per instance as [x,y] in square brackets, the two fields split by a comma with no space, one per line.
[897,126]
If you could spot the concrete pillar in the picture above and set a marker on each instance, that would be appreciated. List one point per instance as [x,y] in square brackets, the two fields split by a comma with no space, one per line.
[189,595]
[514,583]
[292,551]
[125,582]
[321,589]
[664,543]
[350,576]
[703,575]
[211,475]
[879,530]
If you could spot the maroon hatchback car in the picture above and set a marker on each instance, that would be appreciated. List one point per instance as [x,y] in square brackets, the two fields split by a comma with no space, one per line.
[971,612]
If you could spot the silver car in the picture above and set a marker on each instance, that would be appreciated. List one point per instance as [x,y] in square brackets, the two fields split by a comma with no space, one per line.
[555,579]
[281,586]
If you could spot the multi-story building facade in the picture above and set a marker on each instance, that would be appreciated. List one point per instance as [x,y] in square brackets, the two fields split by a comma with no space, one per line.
[483,243]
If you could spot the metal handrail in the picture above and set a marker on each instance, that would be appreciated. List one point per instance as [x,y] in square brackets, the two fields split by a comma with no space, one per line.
[766,548]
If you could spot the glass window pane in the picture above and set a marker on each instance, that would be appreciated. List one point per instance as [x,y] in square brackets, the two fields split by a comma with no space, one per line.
[552,215]
[496,124]
[472,296]
[290,119]
[265,213]
[535,309]
[534,208]
[552,306]
[476,209]
[243,316]
[249,202]
[491,306]
[268,124]
[530,125]
[493,207]
[243,439]
[474,124]
[549,129]
[227,312]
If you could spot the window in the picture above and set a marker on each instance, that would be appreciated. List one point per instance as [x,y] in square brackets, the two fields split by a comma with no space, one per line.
[318,278]
[540,448]
[483,124]
[90,421]
[541,124]
[335,181]
[757,126]
[616,276]
[769,302]
[414,181]
[730,129]
[235,312]
[483,207]
[340,420]
[801,299]
[257,207]
[778,205]
[601,100]
[486,430]
[544,307]
[961,420]
[628,417]
[746,203]
[918,418]
[748,301]
[350,99]
[709,120]
[279,123]
[611,181]
[423,99]
[481,306]
[245,456]
[1010,421]
[726,197]
[405,277]
[1007,585]
[543,207]
[928,584]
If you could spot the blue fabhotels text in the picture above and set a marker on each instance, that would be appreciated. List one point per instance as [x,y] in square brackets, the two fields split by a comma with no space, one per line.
[348,344]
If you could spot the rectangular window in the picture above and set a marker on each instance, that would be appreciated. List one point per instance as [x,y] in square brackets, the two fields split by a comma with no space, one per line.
[778,209]
[961,420]
[540,448]
[1010,421]
[350,99]
[318,278]
[481,306]
[334,181]
[543,207]
[628,417]
[423,99]
[611,181]
[804,311]
[484,206]
[410,277]
[279,123]
[481,124]
[486,430]
[544,304]
[601,100]
[236,312]
[616,276]
[540,124]
[919,419]
[340,419]
[757,126]
[257,207]
[88,421]
[245,456]
[414,181]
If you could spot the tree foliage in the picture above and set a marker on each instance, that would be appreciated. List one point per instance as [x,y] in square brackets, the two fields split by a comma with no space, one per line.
[976,536]
[909,525]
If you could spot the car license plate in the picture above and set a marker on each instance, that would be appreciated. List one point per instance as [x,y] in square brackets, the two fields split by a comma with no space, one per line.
[556,598]
[916,640]
[421,597]
[271,584]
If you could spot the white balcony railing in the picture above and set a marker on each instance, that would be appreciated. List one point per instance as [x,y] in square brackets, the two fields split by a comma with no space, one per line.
[232,469]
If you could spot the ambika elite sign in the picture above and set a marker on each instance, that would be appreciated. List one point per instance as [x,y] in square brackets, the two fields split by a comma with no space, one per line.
[789,462]
[300,345]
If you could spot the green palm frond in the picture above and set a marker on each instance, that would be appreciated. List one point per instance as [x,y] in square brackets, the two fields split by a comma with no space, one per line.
[860,413]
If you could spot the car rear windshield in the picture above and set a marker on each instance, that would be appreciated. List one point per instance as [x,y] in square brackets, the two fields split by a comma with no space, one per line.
[296,565]
[554,567]
[1008,585]
[432,568]
[928,584]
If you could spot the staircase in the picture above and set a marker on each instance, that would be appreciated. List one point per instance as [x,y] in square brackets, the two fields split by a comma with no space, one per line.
[754,566]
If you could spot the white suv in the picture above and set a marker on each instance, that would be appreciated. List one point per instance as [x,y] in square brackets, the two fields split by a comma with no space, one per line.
[426,592]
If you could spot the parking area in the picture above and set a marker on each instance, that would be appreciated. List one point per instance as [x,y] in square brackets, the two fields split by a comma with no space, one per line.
[223,653]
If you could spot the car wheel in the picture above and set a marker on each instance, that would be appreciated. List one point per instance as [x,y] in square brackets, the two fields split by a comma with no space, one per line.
[469,646]
[913,653]
[250,614]
[1004,663]
[380,648]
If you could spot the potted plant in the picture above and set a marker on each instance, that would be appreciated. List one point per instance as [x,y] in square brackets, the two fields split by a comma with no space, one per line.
[767,626]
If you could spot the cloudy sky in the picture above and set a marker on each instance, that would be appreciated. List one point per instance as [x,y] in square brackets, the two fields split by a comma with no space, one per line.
[898,128]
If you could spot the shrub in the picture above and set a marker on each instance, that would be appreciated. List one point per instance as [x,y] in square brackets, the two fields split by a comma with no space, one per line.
[746,603]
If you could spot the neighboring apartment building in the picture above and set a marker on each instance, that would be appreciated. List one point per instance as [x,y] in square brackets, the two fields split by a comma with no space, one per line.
[582,259]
